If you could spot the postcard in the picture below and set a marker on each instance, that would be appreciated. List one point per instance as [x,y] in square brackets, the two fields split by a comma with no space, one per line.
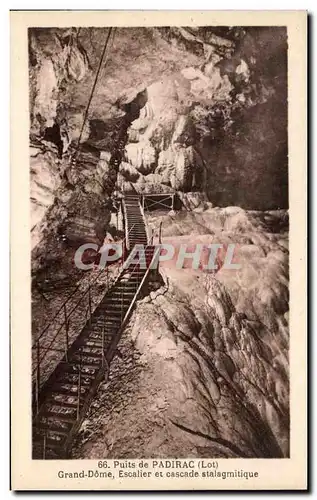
[158,250]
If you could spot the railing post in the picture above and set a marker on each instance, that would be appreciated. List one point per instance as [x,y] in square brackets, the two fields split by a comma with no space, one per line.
[79,385]
[103,344]
[44,445]
[122,289]
[38,375]
[160,232]
[66,333]
[89,300]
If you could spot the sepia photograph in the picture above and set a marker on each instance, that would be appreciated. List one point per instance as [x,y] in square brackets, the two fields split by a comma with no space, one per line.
[147,136]
[159,205]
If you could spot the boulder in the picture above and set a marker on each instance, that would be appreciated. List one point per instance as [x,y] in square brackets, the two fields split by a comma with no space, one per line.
[129,172]
[45,180]
[142,156]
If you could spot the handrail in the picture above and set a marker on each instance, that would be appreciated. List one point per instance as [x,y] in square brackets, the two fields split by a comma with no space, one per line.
[106,354]
[64,304]
[42,350]
[140,285]
[47,348]
[160,232]
[125,217]
[71,295]
[87,290]
[144,219]
[115,339]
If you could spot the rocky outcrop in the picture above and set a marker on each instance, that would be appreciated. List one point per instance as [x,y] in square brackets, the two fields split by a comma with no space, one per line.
[141,156]
[57,59]
[206,353]
[183,112]
[45,180]
[160,139]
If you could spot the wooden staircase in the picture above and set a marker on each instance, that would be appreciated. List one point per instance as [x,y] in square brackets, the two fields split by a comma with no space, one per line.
[134,221]
[62,401]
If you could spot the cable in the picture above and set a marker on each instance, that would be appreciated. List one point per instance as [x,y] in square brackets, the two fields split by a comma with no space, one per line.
[92,93]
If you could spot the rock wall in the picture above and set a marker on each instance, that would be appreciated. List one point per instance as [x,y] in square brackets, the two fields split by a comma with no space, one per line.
[192,110]
[202,370]
[202,111]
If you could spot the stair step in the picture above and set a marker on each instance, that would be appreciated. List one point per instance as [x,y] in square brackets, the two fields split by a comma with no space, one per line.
[96,343]
[56,398]
[106,321]
[87,362]
[138,235]
[124,280]
[90,350]
[110,315]
[118,305]
[135,272]
[56,411]
[136,268]
[125,290]
[102,324]
[124,284]
[87,372]
[62,428]
[108,334]
[137,242]
[113,318]
[86,356]
[115,301]
[37,452]
[119,294]
[52,438]
[72,378]
[97,337]
[55,439]
[69,389]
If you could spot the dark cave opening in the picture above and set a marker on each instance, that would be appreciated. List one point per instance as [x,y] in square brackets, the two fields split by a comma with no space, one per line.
[53,134]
